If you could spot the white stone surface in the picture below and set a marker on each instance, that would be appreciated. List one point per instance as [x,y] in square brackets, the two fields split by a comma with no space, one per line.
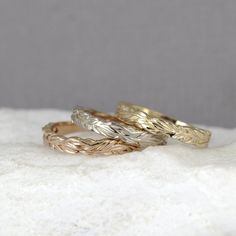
[170,190]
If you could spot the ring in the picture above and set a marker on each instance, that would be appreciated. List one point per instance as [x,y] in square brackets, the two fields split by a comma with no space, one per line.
[157,123]
[111,127]
[53,136]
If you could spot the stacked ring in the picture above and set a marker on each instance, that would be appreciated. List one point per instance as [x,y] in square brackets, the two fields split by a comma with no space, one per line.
[156,123]
[111,127]
[53,135]
[132,128]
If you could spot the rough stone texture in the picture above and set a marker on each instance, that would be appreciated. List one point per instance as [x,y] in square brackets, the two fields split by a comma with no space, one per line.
[169,190]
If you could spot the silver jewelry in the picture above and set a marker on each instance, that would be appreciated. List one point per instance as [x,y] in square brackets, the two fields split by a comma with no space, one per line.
[110,126]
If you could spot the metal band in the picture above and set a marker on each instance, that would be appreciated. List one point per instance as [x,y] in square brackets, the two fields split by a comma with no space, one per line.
[53,135]
[111,127]
[157,123]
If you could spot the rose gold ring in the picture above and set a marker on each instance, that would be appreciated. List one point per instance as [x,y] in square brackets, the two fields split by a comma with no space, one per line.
[53,136]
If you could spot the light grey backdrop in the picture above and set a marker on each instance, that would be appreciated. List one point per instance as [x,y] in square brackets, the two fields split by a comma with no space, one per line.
[175,56]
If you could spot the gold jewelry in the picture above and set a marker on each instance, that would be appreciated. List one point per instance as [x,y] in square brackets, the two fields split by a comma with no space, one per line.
[111,127]
[157,123]
[53,135]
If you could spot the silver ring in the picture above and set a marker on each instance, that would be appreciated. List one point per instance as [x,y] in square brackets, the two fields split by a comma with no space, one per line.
[110,126]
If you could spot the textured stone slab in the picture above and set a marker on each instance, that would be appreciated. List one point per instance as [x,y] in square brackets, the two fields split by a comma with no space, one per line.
[170,190]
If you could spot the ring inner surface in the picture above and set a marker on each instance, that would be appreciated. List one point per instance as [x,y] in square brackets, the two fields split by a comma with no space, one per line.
[66,127]
[105,117]
[156,114]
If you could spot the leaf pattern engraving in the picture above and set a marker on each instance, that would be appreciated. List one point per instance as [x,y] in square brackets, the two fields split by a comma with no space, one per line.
[74,145]
[163,125]
[114,129]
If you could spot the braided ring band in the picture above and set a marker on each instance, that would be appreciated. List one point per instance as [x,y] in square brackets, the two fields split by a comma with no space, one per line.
[111,127]
[157,123]
[53,135]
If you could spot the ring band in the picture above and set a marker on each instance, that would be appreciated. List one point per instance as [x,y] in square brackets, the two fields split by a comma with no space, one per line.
[156,123]
[53,135]
[111,127]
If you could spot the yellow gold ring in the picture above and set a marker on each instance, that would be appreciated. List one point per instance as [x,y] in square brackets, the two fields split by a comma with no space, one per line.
[53,136]
[157,123]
